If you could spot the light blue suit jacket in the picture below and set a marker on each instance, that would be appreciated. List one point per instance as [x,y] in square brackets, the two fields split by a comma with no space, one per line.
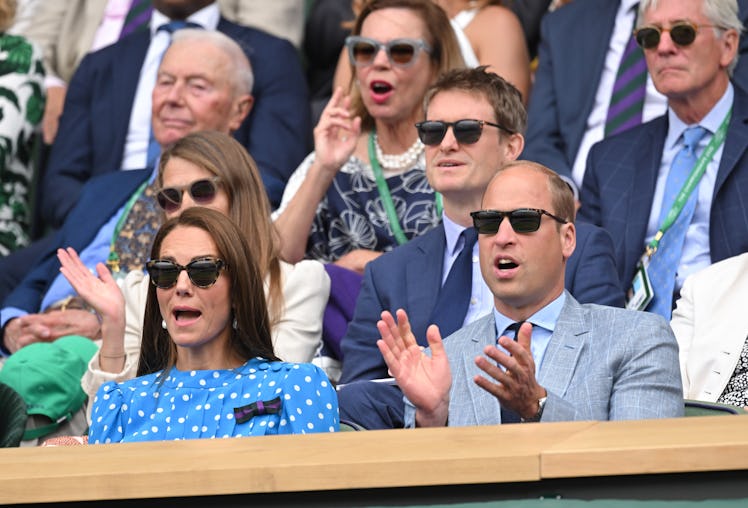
[602,363]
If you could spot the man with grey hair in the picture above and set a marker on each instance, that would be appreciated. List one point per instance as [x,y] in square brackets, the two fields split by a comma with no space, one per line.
[672,189]
[196,89]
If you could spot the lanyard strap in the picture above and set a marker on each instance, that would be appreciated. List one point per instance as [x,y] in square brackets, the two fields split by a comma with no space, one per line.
[384,193]
[691,183]
[113,259]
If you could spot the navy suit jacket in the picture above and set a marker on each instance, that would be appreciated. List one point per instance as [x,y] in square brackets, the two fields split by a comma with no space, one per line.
[568,75]
[93,127]
[619,185]
[99,199]
[410,277]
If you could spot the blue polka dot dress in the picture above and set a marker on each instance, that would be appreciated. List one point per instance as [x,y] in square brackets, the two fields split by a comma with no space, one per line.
[256,399]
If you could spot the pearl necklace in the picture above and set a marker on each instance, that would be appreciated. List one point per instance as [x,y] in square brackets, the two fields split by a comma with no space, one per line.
[401,161]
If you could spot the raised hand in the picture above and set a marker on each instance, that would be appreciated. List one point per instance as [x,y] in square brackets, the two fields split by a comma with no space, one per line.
[516,386]
[102,293]
[424,379]
[336,134]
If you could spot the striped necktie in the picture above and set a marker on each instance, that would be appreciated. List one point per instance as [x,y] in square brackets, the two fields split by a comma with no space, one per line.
[629,89]
[137,17]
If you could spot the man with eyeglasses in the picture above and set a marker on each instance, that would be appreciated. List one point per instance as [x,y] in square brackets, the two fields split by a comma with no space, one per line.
[539,355]
[673,189]
[572,102]
[475,121]
[43,308]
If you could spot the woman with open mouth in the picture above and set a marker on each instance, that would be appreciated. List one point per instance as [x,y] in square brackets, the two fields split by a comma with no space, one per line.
[207,367]
[363,190]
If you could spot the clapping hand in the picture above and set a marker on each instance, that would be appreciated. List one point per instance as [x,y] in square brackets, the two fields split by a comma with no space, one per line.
[424,379]
[516,386]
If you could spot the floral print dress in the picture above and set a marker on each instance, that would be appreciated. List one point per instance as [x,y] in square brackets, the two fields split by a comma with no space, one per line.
[21,110]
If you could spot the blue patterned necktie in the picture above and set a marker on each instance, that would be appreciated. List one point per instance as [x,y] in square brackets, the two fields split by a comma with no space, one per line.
[454,297]
[509,415]
[154,148]
[664,264]
[629,90]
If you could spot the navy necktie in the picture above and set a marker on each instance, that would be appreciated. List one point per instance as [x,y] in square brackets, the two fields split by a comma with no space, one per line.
[454,297]
[509,415]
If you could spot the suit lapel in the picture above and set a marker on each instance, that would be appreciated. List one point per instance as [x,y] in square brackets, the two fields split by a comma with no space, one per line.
[736,140]
[486,408]
[566,344]
[424,277]
[645,166]
[599,23]
[125,77]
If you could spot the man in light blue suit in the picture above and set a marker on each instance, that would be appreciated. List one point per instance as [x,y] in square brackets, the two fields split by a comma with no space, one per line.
[34,312]
[626,179]
[413,276]
[568,361]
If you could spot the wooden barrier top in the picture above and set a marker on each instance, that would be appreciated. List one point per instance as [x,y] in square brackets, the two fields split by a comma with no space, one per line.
[710,443]
[372,459]
[346,460]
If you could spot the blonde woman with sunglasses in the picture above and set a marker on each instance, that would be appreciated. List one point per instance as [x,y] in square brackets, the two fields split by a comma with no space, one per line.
[212,170]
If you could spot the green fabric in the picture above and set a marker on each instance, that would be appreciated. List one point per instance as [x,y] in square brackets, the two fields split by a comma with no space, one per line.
[47,375]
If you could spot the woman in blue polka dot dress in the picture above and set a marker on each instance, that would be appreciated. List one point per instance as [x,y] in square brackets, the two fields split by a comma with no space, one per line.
[207,367]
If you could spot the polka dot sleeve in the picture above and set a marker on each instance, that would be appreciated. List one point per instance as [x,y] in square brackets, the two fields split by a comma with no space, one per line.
[109,407]
[310,403]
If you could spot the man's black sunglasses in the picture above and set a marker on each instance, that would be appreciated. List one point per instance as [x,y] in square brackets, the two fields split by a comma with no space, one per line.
[522,220]
[682,33]
[202,272]
[466,131]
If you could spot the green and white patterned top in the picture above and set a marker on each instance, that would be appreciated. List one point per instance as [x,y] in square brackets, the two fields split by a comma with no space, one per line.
[21,110]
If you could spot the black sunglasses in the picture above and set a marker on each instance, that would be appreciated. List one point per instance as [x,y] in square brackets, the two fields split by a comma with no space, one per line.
[466,132]
[682,33]
[523,220]
[202,192]
[202,272]
[400,52]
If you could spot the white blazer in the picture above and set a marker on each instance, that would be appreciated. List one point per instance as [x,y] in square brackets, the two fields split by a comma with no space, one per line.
[710,323]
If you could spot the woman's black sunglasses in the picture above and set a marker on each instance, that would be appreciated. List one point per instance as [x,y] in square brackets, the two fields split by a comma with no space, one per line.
[683,34]
[465,131]
[202,272]
[201,191]
[522,220]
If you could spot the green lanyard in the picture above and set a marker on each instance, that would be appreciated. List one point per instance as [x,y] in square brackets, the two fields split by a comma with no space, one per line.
[113,260]
[693,180]
[384,193]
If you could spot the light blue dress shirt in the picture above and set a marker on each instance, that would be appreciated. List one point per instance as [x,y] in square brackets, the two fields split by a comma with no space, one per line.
[696,253]
[543,323]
